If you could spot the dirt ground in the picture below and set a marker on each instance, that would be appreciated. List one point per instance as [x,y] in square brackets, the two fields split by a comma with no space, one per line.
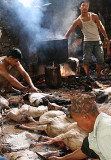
[15,142]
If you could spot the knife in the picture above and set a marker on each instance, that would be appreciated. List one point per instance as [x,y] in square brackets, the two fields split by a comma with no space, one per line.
[42,157]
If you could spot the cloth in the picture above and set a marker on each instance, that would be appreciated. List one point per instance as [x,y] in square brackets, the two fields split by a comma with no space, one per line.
[94,47]
[83,103]
[100,138]
[87,151]
[90,29]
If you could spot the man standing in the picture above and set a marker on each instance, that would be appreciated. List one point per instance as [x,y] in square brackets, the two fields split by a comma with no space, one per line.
[89,23]
[9,68]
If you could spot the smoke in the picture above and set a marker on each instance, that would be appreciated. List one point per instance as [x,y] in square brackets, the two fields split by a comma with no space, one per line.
[26,21]
[64,14]
[37,20]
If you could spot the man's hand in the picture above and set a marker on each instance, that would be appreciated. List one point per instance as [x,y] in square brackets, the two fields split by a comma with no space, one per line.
[55,158]
[106,40]
[108,49]
[108,53]
[25,89]
[34,89]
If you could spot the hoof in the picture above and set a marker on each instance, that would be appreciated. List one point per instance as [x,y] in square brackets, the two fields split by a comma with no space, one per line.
[40,138]
[27,117]
[32,146]
[17,126]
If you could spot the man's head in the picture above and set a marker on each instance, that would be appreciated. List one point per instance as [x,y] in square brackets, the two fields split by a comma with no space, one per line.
[84,6]
[14,55]
[84,111]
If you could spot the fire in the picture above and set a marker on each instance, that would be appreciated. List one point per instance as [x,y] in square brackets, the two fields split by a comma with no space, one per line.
[41,82]
[66,70]
[62,70]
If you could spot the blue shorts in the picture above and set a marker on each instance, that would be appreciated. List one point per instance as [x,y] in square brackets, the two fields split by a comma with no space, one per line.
[94,47]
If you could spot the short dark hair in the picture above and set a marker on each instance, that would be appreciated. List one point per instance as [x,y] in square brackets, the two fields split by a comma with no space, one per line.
[15,53]
[83,1]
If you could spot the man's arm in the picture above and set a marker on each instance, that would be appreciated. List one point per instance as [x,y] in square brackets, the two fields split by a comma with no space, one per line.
[72,27]
[76,155]
[26,77]
[101,27]
[12,80]
[108,49]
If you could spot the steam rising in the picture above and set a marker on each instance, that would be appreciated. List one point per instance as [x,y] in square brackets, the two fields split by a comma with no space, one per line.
[26,3]
[36,20]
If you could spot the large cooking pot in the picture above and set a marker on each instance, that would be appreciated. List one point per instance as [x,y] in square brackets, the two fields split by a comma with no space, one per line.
[52,51]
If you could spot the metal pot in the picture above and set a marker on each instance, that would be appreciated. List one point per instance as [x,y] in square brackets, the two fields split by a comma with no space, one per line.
[53,51]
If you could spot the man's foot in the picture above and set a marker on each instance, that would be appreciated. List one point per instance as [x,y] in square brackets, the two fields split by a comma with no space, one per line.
[92,82]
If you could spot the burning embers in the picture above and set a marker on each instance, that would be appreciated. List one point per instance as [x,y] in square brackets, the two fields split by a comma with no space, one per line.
[70,68]
[66,70]
[53,73]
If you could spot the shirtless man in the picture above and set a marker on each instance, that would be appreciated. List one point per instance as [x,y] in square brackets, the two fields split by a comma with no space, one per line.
[9,67]
[89,23]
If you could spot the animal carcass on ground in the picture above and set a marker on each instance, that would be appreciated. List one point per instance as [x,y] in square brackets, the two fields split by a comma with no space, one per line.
[4,103]
[56,124]
[21,114]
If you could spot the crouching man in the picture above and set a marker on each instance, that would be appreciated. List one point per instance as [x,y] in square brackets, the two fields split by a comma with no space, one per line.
[97,145]
[9,68]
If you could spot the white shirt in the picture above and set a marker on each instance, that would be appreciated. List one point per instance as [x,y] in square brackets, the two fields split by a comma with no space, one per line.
[90,30]
[100,137]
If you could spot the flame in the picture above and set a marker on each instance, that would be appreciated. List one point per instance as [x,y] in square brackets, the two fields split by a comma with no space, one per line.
[66,70]
[62,70]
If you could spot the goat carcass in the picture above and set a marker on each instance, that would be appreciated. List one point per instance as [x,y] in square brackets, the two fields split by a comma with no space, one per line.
[103,95]
[22,155]
[37,99]
[72,138]
[20,114]
[4,103]
[52,122]
[55,124]
[30,155]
